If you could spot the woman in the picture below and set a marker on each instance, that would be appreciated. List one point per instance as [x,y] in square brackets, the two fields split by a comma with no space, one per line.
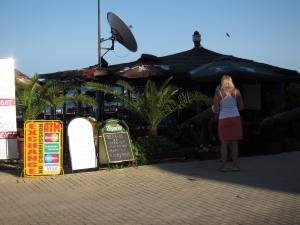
[227,102]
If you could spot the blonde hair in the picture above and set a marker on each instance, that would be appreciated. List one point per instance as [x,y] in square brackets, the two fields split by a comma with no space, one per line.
[227,83]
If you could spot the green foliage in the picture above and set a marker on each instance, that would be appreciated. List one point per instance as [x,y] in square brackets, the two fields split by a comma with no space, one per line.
[34,98]
[146,148]
[28,99]
[194,97]
[154,103]
[139,153]
[292,96]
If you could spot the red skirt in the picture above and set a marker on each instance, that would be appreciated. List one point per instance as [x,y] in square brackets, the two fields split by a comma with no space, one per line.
[230,129]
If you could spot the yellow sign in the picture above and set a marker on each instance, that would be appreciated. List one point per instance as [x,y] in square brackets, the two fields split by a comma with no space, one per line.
[43,147]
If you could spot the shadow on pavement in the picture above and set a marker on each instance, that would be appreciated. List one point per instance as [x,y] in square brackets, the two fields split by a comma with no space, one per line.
[11,167]
[278,172]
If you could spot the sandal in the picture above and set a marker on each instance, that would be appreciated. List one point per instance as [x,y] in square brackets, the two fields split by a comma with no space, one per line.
[236,169]
[222,169]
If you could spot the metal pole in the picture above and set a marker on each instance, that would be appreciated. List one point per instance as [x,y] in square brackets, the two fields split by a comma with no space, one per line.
[99,98]
[99,37]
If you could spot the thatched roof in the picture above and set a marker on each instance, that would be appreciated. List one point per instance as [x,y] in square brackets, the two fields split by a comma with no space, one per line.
[197,63]
[201,63]
[22,78]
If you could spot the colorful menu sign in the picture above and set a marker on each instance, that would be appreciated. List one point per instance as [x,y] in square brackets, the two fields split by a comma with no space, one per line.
[43,147]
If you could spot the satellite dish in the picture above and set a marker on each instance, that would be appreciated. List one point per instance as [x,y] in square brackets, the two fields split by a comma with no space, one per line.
[121,32]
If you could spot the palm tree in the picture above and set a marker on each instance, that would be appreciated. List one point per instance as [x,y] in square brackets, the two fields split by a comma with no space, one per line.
[33,98]
[154,103]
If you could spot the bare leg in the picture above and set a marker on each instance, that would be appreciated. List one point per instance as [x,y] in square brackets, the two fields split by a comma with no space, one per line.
[224,153]
[235,154]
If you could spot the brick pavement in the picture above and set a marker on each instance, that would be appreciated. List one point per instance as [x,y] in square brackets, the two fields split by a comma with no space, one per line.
[266,191]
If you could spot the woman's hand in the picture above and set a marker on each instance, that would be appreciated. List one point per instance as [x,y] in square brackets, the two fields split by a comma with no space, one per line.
[215,107]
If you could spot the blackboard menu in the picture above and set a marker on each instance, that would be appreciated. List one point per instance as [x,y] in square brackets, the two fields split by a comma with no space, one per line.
[118,147]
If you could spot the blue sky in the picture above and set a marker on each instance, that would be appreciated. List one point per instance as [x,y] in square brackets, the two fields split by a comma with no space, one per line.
[50,36]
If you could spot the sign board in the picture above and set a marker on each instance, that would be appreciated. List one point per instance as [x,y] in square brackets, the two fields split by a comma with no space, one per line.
[113,127]
[43,143]
[115,143]
[81,144]
[118,147]
[8,123]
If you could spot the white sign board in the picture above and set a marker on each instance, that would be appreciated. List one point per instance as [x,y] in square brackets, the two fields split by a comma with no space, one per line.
[81,144]
[8,123]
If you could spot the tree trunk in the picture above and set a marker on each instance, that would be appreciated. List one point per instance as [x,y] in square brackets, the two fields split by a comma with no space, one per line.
[153,131]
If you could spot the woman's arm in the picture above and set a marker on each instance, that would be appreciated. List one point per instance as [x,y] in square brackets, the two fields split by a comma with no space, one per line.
[216,105]
[239,100]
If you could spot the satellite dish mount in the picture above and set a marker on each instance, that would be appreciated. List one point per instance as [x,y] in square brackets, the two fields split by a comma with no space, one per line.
[120,32]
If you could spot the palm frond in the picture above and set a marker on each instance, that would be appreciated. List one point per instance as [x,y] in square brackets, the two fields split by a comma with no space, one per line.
[188,97]
[102,87]
[34,98]
[82,99]
[125,85]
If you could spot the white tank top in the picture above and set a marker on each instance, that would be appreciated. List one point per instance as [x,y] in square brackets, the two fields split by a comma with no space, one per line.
[228,107]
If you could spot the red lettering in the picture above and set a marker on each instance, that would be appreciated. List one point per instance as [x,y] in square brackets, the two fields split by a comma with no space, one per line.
[31,148]
[32,132]
[32,152]
[32,145]
[47,127]
[52,127]
[31,164]
[32,158]
[7,102]
[32,126]
[32,171]
[32,139]
[56,127]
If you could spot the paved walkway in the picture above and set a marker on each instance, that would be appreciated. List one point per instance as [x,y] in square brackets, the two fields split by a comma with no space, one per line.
[266,191]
